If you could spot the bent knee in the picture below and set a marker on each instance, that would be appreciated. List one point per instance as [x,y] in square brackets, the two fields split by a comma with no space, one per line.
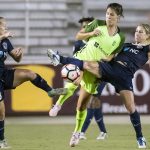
[130,109]
[29,74]
[81,107]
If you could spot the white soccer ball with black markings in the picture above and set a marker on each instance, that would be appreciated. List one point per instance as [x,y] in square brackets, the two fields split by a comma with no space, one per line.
[70,72]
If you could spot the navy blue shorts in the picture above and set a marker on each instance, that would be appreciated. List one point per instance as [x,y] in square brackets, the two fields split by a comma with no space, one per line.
[100,89]
[6,81]
[116,74]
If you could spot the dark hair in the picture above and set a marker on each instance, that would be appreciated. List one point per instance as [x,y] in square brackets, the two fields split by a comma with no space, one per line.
[117,8]
[89,19]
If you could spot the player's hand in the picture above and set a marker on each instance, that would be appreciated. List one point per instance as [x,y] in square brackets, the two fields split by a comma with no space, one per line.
[77,81]
[96,32]
[7,34]
[18,51]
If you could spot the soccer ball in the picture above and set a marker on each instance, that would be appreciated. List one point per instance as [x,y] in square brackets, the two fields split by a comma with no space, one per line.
[70,72]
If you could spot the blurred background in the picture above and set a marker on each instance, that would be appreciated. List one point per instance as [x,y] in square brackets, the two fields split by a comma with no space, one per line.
[42,24]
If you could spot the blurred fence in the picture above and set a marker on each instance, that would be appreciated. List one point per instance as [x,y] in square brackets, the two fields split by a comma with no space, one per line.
[40,24]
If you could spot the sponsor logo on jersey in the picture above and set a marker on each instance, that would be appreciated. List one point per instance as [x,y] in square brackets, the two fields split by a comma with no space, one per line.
[135,51]
[114,42]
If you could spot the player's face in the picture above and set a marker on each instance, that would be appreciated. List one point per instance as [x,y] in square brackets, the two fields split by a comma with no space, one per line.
[3,24]
[140,35]
[2,31]
[84,23]
[111,17]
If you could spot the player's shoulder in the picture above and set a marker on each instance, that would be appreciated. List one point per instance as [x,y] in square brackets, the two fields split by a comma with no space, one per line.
[5,40]
[97,22]
[121,34]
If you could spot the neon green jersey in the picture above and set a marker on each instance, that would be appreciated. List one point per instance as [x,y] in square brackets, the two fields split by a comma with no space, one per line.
[97,48]
[101,46]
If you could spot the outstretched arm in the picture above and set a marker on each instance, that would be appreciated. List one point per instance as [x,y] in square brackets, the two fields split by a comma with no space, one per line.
[16,54]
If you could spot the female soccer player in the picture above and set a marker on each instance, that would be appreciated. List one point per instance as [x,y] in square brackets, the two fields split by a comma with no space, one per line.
[11,78]
[120,71]
[94,108]
[104,41]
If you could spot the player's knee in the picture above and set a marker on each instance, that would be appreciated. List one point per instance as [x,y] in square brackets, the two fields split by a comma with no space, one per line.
[131,108]
[81,107]
[2,110]
[2,115]
[30,75]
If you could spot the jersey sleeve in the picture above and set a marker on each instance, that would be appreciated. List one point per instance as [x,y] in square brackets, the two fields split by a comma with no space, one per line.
[122,40]
[8,45]
[94,24]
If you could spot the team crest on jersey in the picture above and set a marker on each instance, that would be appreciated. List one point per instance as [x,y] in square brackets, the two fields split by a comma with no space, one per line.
[126,49]
[4,44]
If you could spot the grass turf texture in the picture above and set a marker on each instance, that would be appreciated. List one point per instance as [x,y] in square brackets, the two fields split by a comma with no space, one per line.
[56,137]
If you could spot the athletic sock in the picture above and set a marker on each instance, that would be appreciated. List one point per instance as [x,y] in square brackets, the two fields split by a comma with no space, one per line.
[2,130]
[88,119]
[80,118]
[41,83]
[135,119]
[68,60]
[99,119]
[71,88]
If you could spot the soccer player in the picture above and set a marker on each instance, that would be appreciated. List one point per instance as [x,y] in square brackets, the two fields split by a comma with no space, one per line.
[94,108]
[120,72]
[11,78]
[104,41]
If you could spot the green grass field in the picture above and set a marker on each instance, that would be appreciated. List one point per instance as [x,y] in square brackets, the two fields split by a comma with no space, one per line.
[56,137]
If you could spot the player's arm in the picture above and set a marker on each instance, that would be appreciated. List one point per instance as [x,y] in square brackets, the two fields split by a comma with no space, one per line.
[90,30]
[16,54]
[83,35]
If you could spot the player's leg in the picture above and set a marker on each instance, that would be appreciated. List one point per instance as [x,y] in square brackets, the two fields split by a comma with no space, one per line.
[128,98]
[98,114]
[3,143]
[88,119]
[23,75]
[57,107]
[80,116]
[91,66]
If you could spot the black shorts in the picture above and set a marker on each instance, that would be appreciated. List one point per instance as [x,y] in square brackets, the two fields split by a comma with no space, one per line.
[6,81]
[116,74]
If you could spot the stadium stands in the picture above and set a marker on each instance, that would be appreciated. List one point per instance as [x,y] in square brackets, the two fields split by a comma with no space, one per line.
[40,24]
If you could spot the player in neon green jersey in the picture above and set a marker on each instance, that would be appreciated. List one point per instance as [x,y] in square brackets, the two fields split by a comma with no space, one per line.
[104,41]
